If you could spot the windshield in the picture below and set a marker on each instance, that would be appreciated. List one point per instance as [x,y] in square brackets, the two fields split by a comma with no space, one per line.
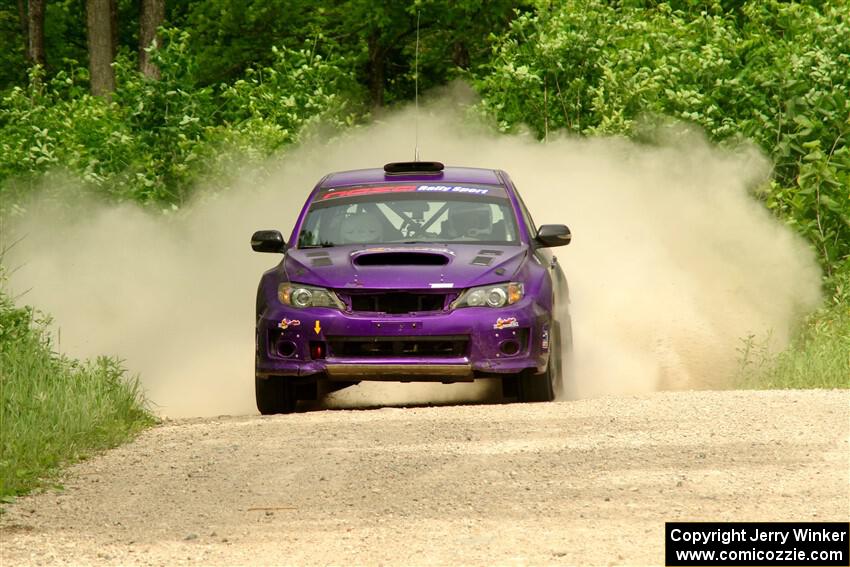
[408,214]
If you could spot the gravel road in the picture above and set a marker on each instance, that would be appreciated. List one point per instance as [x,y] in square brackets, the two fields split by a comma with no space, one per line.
[584,482]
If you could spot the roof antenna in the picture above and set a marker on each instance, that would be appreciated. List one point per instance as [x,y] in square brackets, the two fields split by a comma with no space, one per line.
[416,88]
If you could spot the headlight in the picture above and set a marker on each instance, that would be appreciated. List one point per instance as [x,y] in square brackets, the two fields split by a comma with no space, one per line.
[302,296]
[491,295]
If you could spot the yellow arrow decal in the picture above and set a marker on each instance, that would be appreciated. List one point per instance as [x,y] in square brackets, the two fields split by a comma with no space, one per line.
[318,327]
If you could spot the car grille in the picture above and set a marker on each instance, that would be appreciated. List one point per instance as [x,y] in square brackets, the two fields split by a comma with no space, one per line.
[396,303]
[446,346]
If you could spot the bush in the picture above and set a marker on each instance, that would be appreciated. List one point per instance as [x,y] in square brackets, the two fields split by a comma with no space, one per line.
[154,140]
[819,357]
[54,409]
[774,72]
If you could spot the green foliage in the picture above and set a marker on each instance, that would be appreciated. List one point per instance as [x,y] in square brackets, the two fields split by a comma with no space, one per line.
[229,36]
[64,35]
[54,409]
[273,104]
[154,139]
[819,357]
[774,72]
[13,56]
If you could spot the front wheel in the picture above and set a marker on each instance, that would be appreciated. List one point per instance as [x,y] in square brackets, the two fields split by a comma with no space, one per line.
[274,395]
[542,387]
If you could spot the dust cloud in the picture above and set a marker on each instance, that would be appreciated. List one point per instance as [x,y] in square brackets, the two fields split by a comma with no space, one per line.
[672,263]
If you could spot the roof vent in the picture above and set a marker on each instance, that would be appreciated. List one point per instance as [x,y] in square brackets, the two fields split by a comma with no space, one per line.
[402,167]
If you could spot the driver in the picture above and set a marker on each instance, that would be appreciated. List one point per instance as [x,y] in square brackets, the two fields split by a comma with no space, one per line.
[467,220]
[360,228]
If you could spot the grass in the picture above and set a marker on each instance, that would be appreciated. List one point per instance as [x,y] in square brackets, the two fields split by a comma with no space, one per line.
[56,410]
[819,357]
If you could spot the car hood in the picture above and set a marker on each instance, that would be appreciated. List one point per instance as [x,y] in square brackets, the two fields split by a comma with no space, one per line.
[420,266]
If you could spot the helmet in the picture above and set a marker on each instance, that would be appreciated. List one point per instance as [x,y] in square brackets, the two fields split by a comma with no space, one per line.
[467,219]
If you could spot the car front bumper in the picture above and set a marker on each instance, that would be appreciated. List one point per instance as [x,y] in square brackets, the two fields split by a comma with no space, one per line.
[471,342]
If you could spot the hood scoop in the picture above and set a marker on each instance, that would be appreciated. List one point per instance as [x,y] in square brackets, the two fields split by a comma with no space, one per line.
[400,259]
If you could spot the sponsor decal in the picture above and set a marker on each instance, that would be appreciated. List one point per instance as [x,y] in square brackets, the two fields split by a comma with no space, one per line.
[317,327]
[505,323]
[368,191]
[441,285]
[452,189]
[286,323]
[544,339]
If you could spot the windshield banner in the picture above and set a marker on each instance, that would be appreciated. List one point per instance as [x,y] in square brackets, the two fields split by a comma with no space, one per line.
[385,189]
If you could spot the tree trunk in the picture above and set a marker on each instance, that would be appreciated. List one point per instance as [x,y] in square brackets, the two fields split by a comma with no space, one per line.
[151,16]
[377,55]
[101,38]
[25,27]
[113,25]
[35,32]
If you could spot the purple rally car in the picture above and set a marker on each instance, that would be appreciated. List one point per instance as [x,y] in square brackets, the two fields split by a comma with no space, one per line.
[413,272]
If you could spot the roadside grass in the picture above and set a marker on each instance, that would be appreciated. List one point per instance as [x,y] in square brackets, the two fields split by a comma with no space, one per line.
[819,357]
[56,410]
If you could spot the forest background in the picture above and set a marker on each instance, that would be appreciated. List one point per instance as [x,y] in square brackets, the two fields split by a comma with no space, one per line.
[145,100]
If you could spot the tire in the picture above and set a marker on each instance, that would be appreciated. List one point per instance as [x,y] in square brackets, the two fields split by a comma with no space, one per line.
[567,389]
[274,395]
[542,387]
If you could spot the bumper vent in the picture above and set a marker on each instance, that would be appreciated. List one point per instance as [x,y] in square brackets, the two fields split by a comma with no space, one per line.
[446,346]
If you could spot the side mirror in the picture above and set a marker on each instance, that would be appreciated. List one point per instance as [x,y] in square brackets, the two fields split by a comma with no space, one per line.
[553,235]
[268,241]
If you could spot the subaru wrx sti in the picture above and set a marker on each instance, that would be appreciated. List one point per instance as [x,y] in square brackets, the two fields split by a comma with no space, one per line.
[413,272]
